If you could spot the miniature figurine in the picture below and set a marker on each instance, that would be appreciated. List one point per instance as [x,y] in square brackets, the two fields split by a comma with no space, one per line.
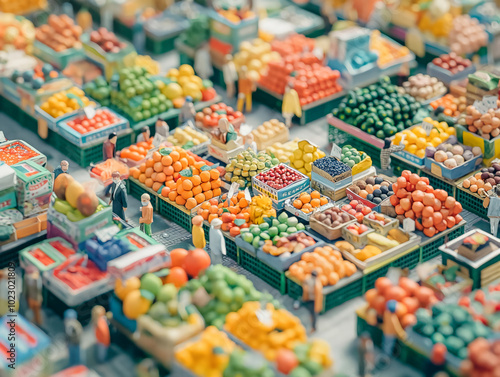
[161,128]
[198,233]
[118,196]
[62,168]
[492,202]
[187,111]
[227,132]
[147,368]
[230,76]
[216,242]
[366,355]
[109,147]
[312,297]
[144,135]
[203,62]
[84,19]
[250,142]
[101,331]
[291,105]
[391,328]
[246,86]
[73,330]
[33,290]
[146,218]
[385,154]
[437,361]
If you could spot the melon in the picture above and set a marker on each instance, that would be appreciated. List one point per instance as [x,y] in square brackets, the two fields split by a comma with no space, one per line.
[73,191]
[87,203]
[60,185]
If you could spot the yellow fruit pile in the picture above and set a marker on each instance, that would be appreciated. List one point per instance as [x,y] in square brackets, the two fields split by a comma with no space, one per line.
[269,130]
[283,151]
[21,6]
[208,356]
[285,331]
[184,83]
[59,104]
[182,136]
[255,55]
[417,140]
[304,156]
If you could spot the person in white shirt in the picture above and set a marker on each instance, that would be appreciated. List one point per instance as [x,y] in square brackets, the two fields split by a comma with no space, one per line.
[230,76]
[144,135]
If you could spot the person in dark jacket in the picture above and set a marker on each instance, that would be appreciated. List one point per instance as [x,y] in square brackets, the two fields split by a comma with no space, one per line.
[109,147]
[62,168]
[118,198]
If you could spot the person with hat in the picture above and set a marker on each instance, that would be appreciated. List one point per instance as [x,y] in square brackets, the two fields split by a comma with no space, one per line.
[198,233]
[187,112]
[118,198]
[216,242]
[61,169]
[33,291]
[312,296]
[73,331]
[161,128]
[391,327]
[144,135]
[101,332]
[146,218]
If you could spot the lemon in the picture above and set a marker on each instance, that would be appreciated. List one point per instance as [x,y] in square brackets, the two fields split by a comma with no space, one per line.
[420,153]
[298,164]
[304,171]
[419,132]
[173,72]
[421,142]
[451,131]
[186,70]
[297,154]
[444,135]
[436,141]
[412,148]
[308,166]
[412,138]
[307,157]
[173,91]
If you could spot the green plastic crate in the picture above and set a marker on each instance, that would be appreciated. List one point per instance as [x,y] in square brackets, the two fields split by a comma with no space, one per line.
[9,256]
[375,332]
[369,279]
[399,165]
[344,294]
[409,260]
[174,212]
[431,249]
[274,278]
[160,47]
[439,183]
[231,249]
[294,290]
[123,30]
[472,203]
[136,189]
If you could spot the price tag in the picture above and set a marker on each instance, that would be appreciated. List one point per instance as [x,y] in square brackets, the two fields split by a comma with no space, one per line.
[490,102]
[408,225]
[2,137]
[157,140]
[393,274]
[248,197]
[427,127]
[265,317]
[481,107]
[234,187]
[336,151]
[89,112]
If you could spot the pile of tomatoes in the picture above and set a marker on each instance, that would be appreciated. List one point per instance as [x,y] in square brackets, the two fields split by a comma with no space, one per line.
[209,116]
[16,152]
[279,177]
[103,118]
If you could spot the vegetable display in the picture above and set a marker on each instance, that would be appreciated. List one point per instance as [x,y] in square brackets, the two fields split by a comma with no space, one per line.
[451,154]
[209,116]
[483,358]
[452,62]
[103,118]
[60,33]
[293,243]
[484,180]
[452,106]
[424,87]
[255,55]
[222,208]
[37,77]
[486,125]
[373,189]
[357,209]
[267,131]
[246,165]
[283,151]
[378,109]
[137,152]
[182,82]
[18,33]
[350,156]
[15,152]
[187,137]
[107,40]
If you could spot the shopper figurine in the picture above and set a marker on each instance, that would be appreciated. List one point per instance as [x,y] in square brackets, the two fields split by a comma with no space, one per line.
[118,196]
[109,147]
[385,154]
[161,128]
[101,331]
[146,218]
[366,355]
[73,331]
[33,290]
[147,368]
[391,327]
[216,242]
[492,202]
[291,105]
[312,297]
[144,135]
[250,142]
[437,361]
[198,233]
[230,76]
[203,62]
[187,111]
[227,131]
[246,87]
[62,168]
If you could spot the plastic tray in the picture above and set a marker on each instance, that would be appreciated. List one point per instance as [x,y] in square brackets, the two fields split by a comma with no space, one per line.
[40,159]
[301,215]
[26,258]
[58,59]
[440,170]
[446,76]
[379,228]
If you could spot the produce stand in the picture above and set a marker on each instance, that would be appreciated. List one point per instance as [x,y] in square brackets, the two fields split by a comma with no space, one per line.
[471,201]
[174,212]
[59,60]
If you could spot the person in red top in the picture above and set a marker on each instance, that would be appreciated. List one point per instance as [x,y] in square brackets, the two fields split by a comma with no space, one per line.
[101,329]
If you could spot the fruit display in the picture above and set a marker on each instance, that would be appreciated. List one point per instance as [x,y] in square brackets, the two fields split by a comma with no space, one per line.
[293,44]
[107,40]
[60,33]
[484,124]
[15,152]
[483,358]
[307,359]
[387,51]
[452,154]
[357,229]
[285,246]
[138,95]
[373,189]
[484,180]
[379,218]
[19,7]
[452,62]
[304,157]
[467,35]
[245,364]
[312,81]
[138,151]
[417,140]
[100,90]
[451,325]
[358,209]
[209,116]
[105,169]
[255,55]
[328,263]
[103,118]
[409,295]
[35,78]
[221,208]
[246,165]
[267,131]
[432,209]
[180,177]
[378,109]
[272,229]
[261,207]
[482,304]
[351,156]
[182,82]
[307,202]
[424,87]
[235,16]
[187,137]
[17,33]
[279,177]
[283,151]
[209,355]
[73,200]
[283,331]
[331,166]
[228,291]
[452,106]
[59,104]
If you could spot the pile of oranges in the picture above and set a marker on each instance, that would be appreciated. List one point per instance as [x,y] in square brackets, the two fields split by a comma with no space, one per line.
[214,209]
[137,152]
[307,202]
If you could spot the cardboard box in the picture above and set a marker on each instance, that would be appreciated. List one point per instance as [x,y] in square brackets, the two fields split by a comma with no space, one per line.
[7,178]
[33,181]
[8,199]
